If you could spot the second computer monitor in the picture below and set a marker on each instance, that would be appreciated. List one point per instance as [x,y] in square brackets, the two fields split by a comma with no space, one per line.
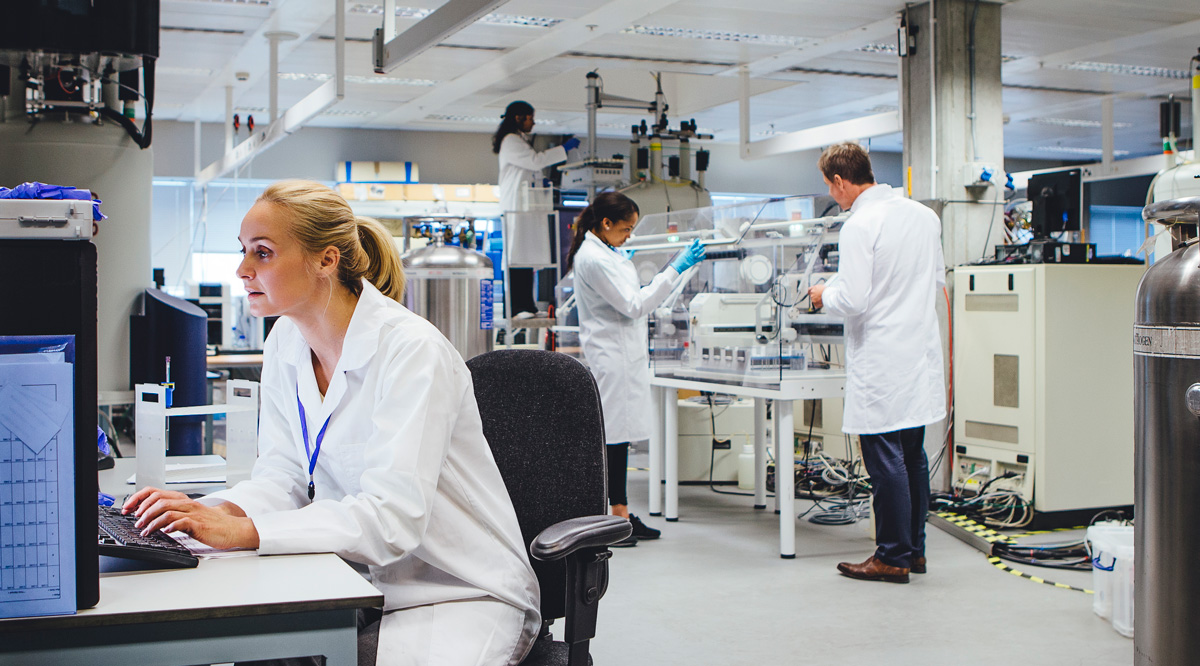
[1057,198]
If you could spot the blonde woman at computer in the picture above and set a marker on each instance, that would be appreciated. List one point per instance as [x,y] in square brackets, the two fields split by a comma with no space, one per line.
[371,445]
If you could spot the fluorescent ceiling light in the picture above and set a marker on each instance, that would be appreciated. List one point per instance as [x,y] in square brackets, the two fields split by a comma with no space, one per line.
[877,48]
[370,80]
[1130,70]
[1075,122]
[348,113]
[1071,150]
[417,13]
[478,120]
[890,47]
[717,35]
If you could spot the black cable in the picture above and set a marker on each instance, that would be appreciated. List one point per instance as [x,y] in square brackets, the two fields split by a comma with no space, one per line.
[712,456]
[1082,565]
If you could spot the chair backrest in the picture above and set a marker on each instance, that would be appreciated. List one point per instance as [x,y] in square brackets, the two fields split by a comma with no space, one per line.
[541,416]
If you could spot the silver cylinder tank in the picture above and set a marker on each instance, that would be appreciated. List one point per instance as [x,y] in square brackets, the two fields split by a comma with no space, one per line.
[1166,347]
[452,288]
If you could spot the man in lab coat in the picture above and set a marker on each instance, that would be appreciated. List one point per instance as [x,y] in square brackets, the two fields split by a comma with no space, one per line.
[890,273]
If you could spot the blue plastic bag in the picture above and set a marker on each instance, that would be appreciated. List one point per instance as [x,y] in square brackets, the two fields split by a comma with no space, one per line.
[43,191]
[102,442]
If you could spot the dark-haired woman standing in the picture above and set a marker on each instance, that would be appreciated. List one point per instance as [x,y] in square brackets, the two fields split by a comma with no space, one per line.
[519,166]
[612,331]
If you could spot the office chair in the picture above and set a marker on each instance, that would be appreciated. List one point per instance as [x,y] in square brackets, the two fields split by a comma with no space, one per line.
[541,416]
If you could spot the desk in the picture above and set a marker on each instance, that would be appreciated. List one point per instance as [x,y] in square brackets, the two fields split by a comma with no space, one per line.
[664,438]
[224,610]
[112,481]
[228,361]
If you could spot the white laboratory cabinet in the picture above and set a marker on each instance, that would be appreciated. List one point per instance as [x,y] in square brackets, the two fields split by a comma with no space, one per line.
[1043,382]
[733,420]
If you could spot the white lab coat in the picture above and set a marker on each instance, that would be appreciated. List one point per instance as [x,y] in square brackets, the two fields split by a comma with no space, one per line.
[405,481]
[526,236]
[890,277]
[612,331]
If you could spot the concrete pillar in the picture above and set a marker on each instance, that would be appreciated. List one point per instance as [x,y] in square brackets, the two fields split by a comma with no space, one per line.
[103,159]
[940,137]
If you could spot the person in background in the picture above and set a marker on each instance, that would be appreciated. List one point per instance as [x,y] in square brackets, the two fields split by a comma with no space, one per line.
[370,445]
[890,274]
[521,165]
[613,309]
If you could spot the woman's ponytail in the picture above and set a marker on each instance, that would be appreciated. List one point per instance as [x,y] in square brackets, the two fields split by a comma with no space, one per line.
[613,206]
[383,268]
[322,218]
[584,223]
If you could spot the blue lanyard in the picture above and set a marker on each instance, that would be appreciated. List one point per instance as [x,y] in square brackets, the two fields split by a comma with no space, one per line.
[312,455]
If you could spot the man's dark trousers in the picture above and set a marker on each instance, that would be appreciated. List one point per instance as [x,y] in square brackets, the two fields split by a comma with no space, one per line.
[900,481]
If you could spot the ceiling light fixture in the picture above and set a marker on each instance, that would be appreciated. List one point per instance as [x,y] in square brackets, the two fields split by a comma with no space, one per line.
[369,80]
[1074,122]
[348,113]
[1129,70]
[1072,150]
[479,120]
[717,35]
[877,48]
[417,13]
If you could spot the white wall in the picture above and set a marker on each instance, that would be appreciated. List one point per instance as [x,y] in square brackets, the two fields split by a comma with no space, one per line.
[454,157]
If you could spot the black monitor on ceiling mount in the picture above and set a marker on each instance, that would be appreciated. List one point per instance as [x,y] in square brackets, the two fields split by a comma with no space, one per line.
[1057,198]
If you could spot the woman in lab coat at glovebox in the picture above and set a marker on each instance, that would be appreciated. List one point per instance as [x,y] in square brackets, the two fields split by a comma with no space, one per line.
[371,445]
[612,331]
[520,164]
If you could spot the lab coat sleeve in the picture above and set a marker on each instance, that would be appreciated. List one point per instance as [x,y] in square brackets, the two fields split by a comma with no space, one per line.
[849,292]
[412,425]
[626,298]
[515,151]
[279,481]
[941,264]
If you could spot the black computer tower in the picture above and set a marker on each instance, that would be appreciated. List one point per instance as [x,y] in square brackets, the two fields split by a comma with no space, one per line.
[48,287]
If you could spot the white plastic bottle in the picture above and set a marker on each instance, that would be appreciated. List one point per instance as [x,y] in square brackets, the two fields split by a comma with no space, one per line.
[745,473]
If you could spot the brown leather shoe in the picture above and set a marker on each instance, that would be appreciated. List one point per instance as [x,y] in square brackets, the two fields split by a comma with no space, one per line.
[873,569]
[918,565]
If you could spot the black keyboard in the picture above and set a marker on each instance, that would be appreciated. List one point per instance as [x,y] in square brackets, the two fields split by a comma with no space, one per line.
[119,538]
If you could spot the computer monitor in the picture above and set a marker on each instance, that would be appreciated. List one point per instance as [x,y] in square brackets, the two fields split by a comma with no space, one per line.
[1057,198]
[163,326]
[51,290]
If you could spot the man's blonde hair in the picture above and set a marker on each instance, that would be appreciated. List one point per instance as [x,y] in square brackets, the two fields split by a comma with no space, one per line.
[848,160]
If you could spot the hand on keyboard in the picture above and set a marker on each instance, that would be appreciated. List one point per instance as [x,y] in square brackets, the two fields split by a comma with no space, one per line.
[118,537]
[221,526]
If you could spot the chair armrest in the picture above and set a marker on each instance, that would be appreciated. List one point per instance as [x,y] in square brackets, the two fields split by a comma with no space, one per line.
[563,538]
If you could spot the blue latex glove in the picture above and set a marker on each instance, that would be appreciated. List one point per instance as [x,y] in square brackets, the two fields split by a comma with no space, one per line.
[44,191]
[626,252]
[693,255]
[570,144]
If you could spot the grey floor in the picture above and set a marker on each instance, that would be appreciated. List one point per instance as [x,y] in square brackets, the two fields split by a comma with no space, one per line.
[713,590]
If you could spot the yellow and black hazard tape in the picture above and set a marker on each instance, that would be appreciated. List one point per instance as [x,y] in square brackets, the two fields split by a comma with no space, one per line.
[982,531]
[999,564]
